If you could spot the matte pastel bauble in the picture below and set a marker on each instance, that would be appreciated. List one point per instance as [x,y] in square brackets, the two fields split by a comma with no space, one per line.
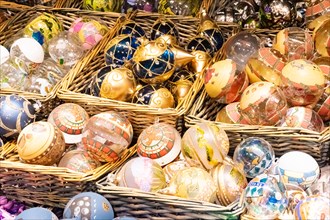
[107,135]
[131,28]
[70,118]
[172,168]
[303,82]
[163,26]
[231,114]
[155,96]
[102,5]
[88,205]
[313,207]
[142,173]
[316,8]
[200,43]
[40,143]
[322,39]
[120,49]
[179,7]
[143,5]
[255,155]
[223,81]
[205,145]
[263,103]
[37,213]
[16,113]
[160,142]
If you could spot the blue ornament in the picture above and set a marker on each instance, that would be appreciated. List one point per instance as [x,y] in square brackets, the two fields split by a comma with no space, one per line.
[215,36]
[88,205]
[37,213]
[200,43]
[121,49]
[163,26]
[15,114]
[131,28]
[182,74]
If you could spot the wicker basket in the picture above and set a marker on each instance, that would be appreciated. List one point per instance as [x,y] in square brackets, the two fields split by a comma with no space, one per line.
[9,9]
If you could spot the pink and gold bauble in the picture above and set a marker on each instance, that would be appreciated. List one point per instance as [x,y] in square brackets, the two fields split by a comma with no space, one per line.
[231,114]
[223,81]
[205,145]
[78,160]
[313,207]
[172,168]
[303,83]
[263,103]
[70,118]
[301,117]
[40,143]
[322,39]
[107,135]
[160,142]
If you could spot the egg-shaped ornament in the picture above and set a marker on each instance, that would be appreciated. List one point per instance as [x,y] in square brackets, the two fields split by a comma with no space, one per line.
[120,49]
[79,161]
[27,51]
[298,168]
[107,135]
[316,9]
[205,145]
[294,43]
[172,168]
[179,7]
[88,205]
[142,173]
[263,103]
[119,84]
[265,65]
[155,96]
[180,84]
[65,49]
[230,181]
[37,213]
[192,183]
[163,26]
[40,143]
[143,5]
[130,27]
[102,5]
[277,14]
[160,142]
[43,28]
[223,81]
[265,197]
[303,83]
[231,114]
[16,113]
[200,43]
[241,47]
[322,39]
[71,119]
[255,155]
[313,207]
[89,31]
[302,117]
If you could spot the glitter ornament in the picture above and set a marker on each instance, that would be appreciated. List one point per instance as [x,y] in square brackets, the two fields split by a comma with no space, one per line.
[13,75]
[231,114]
[172,168]
[36,213]
[313,207]
[102,5]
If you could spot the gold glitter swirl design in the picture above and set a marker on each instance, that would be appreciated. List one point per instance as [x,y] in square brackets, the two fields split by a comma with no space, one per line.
[162,98]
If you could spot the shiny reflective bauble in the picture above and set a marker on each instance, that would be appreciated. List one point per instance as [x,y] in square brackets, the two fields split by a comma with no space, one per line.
[70,118]
[241,47]
[95,85]
[192,183]
[107,135]
[143,5]
[180,84]
[316,23]
[313,207]
[301,117]
[210,30]
[230,182]
[65,49]
[78,160]
[265,65]
[227,14]
[179,7]
[103,5]
[43,28]
[39,84]
[172,168]
[265,197]
[119,84]
[142,173]
[223,81]
[298,168]
[200,43]
[89,31]
[317,8]
[88,205]
[155,96]
[255,155]
[36,213]
[160,142]
[163,26]
[231,114]
[131,28]
[13,75]
[322,39]
[205,145]
[40,143]
[50,70]
[245,8]
[277,13]
[200,61]
[294,43]
[303,82]
[120,49]
[16,113]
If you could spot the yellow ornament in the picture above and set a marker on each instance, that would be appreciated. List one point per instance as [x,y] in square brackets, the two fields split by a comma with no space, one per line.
[103,5]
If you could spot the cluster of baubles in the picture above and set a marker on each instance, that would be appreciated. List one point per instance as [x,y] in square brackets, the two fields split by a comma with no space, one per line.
[272,14]
[284,85]
[43,52]
[154,71]
[176,7]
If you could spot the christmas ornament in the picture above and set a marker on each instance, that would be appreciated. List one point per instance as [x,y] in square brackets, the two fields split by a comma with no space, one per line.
[322,185]
[180,84]
[231,114]
[4,54]
[200,43]
[179,7]
[316,8]
[313,207]
[199,62]
[37,213]
[227,14]
[322,38]
[131,28]
[317,22]
[172,168]
[163,26]
[40,143]
[51,71]
[102,5]
[13,74]
[143,5]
